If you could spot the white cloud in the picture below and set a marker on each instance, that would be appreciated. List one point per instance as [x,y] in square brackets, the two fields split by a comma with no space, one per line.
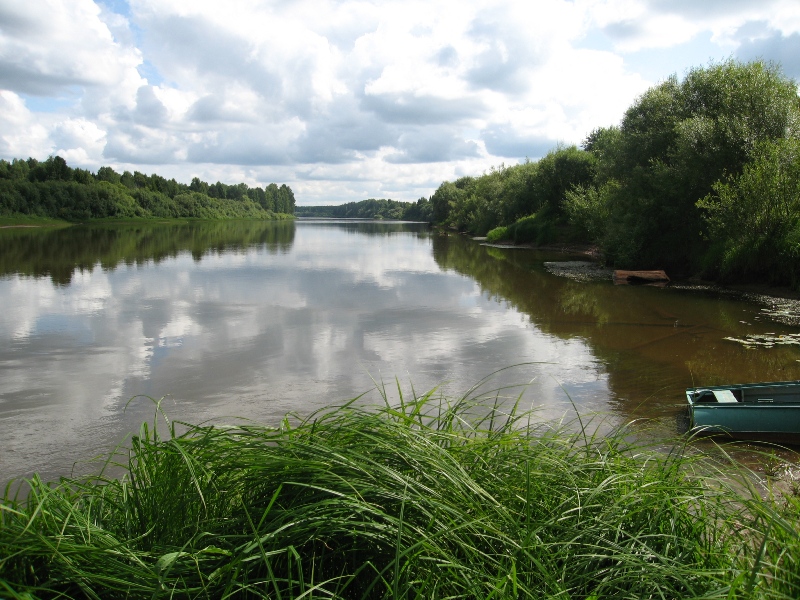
[375,96]
[639,24]
[21,133]
[77,140]
[50,45]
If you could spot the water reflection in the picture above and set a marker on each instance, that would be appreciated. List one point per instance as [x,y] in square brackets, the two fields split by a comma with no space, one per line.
[58,253]
[653,342]
[239,319]
[257,319]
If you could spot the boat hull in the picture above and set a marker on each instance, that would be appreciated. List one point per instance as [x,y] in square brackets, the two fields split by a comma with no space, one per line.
[768,411]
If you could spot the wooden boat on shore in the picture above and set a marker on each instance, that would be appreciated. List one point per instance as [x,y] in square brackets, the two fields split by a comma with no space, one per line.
[759,411]
[657,278]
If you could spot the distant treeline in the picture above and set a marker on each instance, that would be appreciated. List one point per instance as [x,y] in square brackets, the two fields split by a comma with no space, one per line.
[52,189]
[702,176]
[421,210]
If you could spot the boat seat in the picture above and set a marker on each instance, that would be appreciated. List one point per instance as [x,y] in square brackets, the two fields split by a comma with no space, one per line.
[724,396]
[717,396]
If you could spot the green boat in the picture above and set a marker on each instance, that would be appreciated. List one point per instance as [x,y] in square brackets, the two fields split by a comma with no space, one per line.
[759,411]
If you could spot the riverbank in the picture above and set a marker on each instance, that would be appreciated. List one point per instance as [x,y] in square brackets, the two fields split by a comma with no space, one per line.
[779,299]
[14,222]
[432,498]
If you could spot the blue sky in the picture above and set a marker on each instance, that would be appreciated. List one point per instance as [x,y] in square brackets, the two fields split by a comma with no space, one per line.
[350,99]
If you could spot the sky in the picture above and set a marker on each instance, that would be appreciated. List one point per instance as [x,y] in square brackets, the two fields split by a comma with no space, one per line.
[348,100]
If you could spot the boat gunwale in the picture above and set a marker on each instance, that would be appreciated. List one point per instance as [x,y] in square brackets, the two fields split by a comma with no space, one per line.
[690,392]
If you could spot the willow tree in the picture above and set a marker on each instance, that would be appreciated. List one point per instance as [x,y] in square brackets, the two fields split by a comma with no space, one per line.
[754,218]
[675,143]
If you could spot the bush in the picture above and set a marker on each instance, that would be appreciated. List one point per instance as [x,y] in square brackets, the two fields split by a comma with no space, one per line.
[497,234]
[587,209]
[534,229]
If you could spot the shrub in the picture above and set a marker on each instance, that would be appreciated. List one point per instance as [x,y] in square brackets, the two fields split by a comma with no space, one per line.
[533,229]
[497,234]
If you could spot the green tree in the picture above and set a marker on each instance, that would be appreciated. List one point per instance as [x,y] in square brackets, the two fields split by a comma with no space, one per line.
[217,190]
[198,186]
[272,197]
[754,219]
[446,197]
[17,169]
[285,200]
[52,189]
[54,168]
[518,191]
[560,170]
[127,180]
[108,174]
[82,176]
[674,143]
[421,210]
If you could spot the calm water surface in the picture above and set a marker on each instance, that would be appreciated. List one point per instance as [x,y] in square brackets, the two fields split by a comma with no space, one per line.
[254,320]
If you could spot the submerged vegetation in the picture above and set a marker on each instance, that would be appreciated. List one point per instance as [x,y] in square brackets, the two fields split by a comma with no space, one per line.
[428,499]
[702,176]
[50,189]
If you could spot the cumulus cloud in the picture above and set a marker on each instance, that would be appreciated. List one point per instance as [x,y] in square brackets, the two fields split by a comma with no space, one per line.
[342,132]
[149,110]
[507,48]
[426,110]
[246,145]
[47,46]
[506,141]
[78,140]
[707,8]
[377,97]
[21,135]
[760,41]
[633,25]
[430,145]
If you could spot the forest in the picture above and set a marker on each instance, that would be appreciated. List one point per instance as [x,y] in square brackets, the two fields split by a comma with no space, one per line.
[701,177]
[52,189]
[421,210]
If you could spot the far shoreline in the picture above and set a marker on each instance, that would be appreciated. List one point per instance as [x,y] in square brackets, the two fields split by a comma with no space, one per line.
[12,223]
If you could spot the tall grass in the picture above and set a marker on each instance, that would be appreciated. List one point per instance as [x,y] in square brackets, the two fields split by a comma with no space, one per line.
[428,499]
[497,234]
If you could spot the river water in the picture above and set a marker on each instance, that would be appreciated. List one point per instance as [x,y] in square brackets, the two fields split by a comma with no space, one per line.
[230,320]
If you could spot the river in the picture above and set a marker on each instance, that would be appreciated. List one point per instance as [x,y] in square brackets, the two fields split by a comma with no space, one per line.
[228,320]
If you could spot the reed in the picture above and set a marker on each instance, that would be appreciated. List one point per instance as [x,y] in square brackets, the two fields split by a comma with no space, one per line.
[430,498]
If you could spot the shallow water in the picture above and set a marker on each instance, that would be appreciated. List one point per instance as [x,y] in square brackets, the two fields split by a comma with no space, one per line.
[253,320]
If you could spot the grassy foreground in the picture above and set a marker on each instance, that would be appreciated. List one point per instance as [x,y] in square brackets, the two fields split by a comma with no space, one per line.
[431,499]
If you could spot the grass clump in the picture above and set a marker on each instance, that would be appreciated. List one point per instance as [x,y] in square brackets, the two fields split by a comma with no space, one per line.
[429,499]
[497,234]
